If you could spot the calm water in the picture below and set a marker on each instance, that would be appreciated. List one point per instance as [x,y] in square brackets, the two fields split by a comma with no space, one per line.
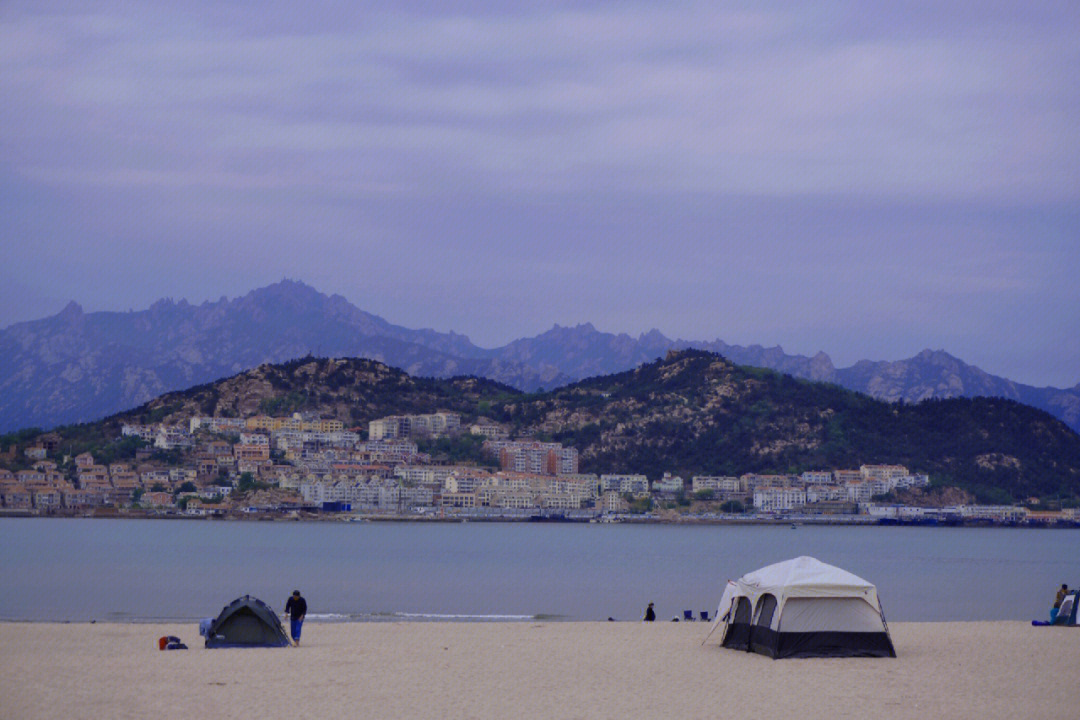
[73,569]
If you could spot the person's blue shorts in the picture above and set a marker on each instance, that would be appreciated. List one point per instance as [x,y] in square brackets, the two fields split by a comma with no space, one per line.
[294,628]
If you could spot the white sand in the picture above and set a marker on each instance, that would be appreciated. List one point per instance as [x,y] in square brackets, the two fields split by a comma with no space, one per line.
[536,670]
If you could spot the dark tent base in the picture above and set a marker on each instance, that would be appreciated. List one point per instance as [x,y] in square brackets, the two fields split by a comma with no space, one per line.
[808,644]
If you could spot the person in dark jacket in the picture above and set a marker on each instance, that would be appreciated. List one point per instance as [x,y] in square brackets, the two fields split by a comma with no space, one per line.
[649,614]
[296,609]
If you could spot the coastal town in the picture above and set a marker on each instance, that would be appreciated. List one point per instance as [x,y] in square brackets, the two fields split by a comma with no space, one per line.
[304,465]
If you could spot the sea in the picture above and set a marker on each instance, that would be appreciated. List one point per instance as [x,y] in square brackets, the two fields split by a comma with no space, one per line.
[82,570]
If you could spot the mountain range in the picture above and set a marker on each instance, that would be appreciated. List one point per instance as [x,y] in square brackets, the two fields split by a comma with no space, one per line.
[77,366]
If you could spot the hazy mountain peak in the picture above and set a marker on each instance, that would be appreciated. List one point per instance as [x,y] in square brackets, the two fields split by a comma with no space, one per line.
[654,337]
[938,356]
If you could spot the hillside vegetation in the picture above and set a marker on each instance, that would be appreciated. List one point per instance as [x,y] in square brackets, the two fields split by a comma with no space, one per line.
[691,413]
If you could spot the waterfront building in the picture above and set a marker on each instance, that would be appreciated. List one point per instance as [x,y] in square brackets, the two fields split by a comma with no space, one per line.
[720,484]
[774,499]
[669,484]
[636,485]
[860,491]
[994,513]
[825,493]
[81,499]
[613,502]
[17,497]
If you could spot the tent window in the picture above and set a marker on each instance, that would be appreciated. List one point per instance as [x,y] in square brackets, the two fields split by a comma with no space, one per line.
[765,608]
[742,611]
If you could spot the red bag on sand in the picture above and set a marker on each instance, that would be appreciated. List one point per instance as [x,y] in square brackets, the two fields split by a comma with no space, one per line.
[164,641]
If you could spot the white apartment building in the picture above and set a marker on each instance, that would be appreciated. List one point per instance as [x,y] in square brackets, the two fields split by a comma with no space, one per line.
[402,426]
[883,472]
[860,491]
[910,481]
[843,477]
[825,493]
[145,432]
[613,502]
[773,499]
[168,438]
[388,428]
[668,484]
[179,475]
[997,513]
[536,458]
[217,425]
[455,483]
[817,477]
[429,475]
[717,483]
[489,430]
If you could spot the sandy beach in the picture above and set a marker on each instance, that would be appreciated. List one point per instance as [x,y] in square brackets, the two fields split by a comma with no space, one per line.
[545,670]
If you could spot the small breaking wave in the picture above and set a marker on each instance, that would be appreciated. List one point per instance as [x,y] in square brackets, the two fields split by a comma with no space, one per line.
[461,616]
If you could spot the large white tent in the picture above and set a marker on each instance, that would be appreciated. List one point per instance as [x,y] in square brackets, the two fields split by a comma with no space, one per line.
[803,608]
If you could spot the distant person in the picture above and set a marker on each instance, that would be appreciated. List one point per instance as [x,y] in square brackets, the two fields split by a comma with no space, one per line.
[296,609]
[649,614]
[1057,602]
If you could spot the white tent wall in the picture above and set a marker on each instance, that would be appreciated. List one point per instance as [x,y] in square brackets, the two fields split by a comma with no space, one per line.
[838,614]
[1066,613]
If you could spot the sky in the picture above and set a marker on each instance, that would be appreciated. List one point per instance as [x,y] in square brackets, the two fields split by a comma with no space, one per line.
[866,179]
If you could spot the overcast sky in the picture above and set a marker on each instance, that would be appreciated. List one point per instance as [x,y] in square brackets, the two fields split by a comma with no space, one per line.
[867,179]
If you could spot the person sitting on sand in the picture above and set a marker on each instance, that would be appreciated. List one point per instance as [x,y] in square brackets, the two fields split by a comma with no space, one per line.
[296,609]
[1057,602]
[649,614]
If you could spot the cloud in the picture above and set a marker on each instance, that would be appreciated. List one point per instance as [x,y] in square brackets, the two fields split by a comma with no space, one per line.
[867,181]
[667,99]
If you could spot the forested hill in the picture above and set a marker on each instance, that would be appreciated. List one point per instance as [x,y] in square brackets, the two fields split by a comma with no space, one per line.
[696,413]
[690,413]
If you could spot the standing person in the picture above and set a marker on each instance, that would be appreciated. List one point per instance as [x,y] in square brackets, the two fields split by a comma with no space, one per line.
[649,614]
[1057,602]
[296,609]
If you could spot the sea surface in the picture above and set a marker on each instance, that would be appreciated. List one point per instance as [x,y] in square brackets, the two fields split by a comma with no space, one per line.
[143,570]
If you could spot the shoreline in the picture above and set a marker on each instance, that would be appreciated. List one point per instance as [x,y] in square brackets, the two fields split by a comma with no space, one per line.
[530,669]
[313,517]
